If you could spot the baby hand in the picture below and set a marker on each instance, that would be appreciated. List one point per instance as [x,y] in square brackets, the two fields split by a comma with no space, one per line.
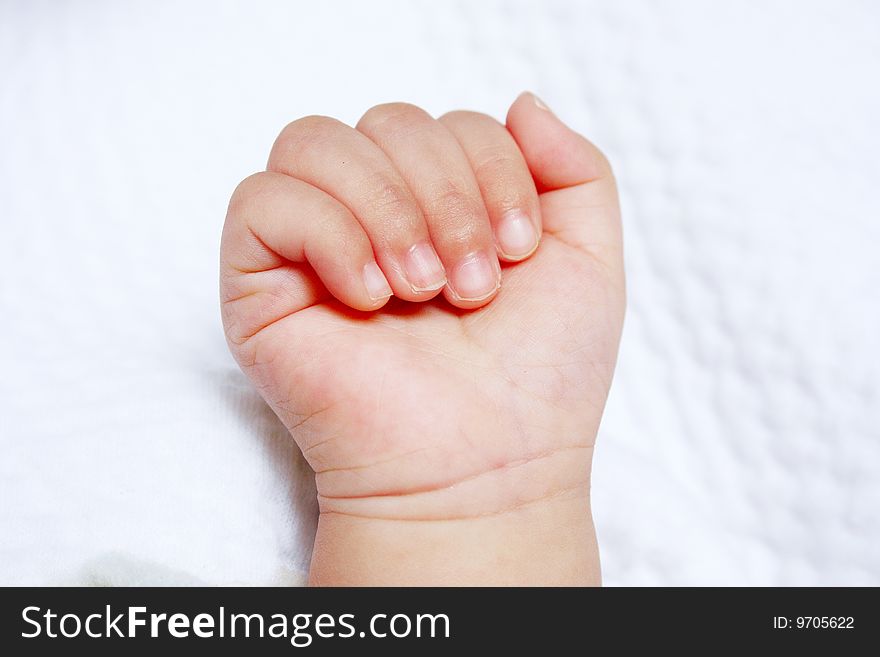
[451,436]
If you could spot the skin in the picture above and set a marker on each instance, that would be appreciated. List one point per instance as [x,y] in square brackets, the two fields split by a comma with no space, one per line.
[450,419]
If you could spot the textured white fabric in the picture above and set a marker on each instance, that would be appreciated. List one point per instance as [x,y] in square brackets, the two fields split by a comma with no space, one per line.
[742,440]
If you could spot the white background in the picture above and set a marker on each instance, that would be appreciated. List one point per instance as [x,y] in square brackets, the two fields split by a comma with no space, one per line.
[742,440]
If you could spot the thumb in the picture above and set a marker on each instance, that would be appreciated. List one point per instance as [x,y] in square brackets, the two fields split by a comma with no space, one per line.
[579,203]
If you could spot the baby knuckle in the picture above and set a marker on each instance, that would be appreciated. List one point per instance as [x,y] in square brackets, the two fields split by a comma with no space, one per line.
[388,197]
[393,118]
[493,164]
[450,205]
[246,193]
[464,117]
[305,134]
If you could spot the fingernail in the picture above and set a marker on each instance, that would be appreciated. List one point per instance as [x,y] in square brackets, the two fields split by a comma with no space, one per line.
[375,282]
[474,277]
[540,103]
[516,235]
[424,269]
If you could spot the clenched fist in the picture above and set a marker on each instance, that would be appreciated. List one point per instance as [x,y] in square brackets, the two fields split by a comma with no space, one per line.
[433,309]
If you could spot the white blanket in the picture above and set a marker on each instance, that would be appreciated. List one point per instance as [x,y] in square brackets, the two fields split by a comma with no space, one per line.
[742,439]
